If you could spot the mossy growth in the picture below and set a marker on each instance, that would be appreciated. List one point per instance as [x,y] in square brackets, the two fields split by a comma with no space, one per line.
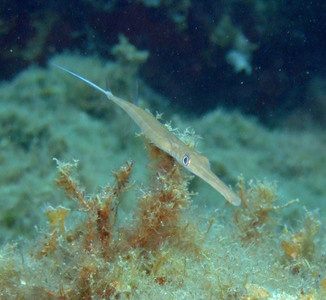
[93,258]
[89,252]
[158,217]
[254,217]
[301,245]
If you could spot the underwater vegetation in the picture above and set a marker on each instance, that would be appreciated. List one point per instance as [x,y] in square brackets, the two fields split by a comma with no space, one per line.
[146,228]
[164,250]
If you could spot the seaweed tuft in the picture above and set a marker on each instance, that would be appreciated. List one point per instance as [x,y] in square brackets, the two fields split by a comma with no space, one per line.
[254,218]
[92,258]
[159,214]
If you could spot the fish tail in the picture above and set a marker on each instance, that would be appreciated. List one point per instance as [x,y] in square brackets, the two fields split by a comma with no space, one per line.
[106,92]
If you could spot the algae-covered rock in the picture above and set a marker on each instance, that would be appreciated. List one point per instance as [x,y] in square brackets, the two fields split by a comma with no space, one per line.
[153,232]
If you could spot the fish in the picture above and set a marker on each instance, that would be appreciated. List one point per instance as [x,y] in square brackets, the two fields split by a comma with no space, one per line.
[165,140]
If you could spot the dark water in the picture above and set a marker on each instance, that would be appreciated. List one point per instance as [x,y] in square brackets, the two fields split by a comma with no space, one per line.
[265,58]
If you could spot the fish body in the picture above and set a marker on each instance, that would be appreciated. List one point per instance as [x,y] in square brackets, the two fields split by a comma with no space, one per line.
[162,138]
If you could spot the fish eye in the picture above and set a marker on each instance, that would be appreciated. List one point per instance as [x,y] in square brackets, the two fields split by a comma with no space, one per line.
[186,160]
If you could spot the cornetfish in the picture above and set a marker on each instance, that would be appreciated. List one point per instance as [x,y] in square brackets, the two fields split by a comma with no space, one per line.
[162,138]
